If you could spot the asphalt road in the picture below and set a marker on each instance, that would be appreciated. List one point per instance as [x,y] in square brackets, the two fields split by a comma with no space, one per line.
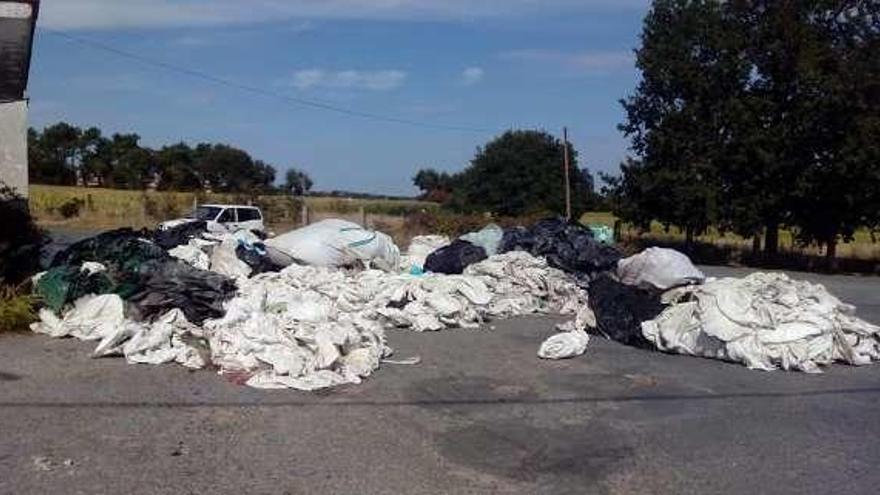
[481,414]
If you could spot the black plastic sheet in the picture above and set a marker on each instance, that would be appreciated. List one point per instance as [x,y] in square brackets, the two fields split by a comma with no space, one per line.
[180,234]
[620,310]
[454,258]
[567,246]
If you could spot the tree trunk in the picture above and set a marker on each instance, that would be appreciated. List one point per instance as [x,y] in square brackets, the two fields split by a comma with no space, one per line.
[831,255]
[689,238]
[771,241]
[756,245]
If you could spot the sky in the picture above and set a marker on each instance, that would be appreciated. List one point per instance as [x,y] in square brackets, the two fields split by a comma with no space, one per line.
[360,94]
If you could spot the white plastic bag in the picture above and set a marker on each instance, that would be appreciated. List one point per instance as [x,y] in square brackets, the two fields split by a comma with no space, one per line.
[658,268]
[489,238]
[335,243]
[564,345]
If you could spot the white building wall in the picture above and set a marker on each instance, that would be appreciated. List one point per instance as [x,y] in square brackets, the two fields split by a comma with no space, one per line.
[13,146]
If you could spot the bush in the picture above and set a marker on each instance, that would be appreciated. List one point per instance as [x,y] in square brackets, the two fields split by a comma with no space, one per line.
[71,208]
[21,241]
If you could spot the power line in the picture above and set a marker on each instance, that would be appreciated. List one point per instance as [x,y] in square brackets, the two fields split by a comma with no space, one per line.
[302,102]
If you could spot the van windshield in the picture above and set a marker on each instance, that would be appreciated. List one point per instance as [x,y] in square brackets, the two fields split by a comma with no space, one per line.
[206,213]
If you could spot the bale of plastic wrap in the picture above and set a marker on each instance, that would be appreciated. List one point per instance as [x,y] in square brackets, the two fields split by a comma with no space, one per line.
[658,268]
[335,243]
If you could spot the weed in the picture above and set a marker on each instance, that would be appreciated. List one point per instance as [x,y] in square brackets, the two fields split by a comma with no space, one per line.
[17,310]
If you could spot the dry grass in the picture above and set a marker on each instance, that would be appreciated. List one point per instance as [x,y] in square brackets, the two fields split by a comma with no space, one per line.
[112,208]
[862,248]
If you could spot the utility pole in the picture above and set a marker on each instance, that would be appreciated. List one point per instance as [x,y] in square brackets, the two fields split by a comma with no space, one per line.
[567,173]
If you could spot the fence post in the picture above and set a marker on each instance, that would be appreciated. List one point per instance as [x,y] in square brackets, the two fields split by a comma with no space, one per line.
[363,217]
[304,214]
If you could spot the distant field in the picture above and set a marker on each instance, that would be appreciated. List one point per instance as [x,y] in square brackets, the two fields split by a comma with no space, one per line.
[109,208]
[862,248]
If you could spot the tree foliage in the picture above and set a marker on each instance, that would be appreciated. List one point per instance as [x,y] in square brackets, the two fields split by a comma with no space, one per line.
[68,155]
[755,114]
[517,173]
[298,182]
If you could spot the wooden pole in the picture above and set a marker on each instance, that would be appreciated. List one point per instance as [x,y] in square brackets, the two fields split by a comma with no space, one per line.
[567,175]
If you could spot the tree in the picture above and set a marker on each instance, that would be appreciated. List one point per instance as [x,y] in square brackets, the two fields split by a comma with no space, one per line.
[176,165]
[520,172]
[679,118]
[298,182]
[434,185]
[840,82]
[54,154]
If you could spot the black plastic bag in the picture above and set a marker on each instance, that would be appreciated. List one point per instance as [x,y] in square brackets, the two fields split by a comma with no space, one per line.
[167,285]
[620,310]
[257,260]
[454,258]
[121,250]
[181,234]
[567,246]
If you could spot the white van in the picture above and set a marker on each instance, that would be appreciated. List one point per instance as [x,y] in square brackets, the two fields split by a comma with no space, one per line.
[223,218]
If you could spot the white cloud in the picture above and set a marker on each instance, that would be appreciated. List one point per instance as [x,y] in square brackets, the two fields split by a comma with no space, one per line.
[379,80]
[472,75]
[117,14]
[585,62]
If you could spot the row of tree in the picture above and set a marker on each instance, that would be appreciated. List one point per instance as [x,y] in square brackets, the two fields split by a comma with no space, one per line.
[752,115]
[517,173]
[64,154]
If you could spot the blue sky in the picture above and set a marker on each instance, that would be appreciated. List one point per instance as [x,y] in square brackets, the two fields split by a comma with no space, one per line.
[487,65]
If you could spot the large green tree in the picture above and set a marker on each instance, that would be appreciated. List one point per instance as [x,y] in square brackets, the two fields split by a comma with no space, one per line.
[521,172]
[756,114]
[679,117]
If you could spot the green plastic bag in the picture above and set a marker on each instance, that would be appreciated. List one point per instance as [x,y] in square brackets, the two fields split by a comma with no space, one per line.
[603,233]
[65,284]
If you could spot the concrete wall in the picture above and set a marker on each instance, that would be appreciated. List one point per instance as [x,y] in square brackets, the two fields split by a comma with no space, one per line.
[13,146]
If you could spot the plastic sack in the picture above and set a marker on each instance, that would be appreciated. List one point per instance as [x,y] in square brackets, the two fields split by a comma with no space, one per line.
[620,310]
[489,238]
[454,258]
[567,246]
[224,260]
[603,233]
[165,286]
[419,249]
[658,268]
[179,234]
[334,243]
[64,284]
[564,345]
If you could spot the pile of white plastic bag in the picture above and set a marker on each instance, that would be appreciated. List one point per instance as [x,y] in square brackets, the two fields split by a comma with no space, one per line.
[311,327]
[765,321]
[321,321]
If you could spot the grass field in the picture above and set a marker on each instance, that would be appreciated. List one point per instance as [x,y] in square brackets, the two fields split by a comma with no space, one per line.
[110,208]
[862,248]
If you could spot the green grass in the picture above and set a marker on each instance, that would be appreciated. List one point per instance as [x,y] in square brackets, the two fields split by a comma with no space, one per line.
[16,310]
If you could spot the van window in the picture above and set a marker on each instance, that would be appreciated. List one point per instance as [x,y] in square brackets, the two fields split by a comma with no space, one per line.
[248,214]
[228,216]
